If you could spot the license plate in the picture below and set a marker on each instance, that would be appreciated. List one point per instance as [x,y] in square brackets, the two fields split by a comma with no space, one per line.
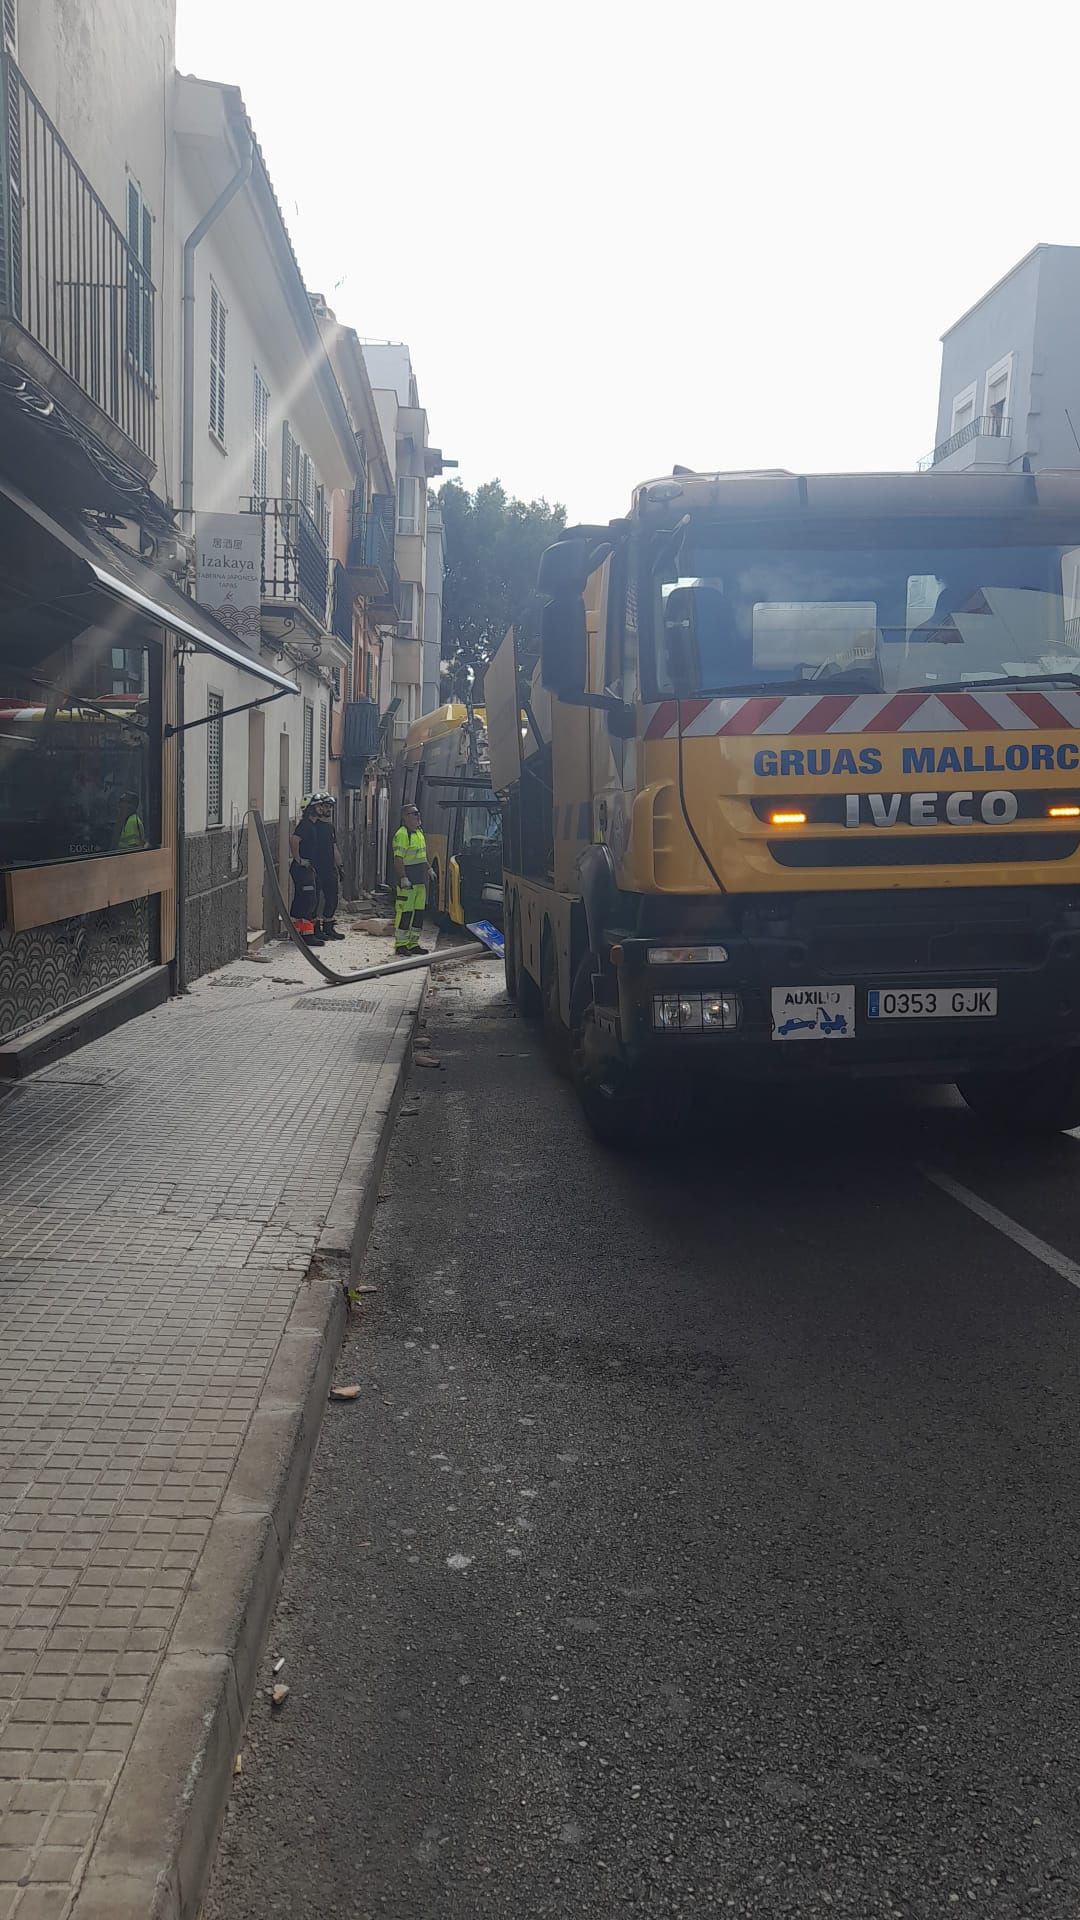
[813,1013]
[932,1003]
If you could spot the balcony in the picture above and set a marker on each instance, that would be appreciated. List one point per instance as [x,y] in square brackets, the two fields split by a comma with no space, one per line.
[296,574]
[341,612]
[371,548]
[77,309]
[983,443]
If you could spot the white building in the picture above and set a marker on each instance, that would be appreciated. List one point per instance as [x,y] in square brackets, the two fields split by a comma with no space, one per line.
[1010,375]
[419,558]
[268,456]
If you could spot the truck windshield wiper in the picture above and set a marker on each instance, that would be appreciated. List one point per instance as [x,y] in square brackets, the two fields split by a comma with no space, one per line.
[997,680]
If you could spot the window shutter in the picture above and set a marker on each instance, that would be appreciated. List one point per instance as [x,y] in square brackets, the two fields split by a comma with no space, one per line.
[217,364]
[260,435]
[215,743]
[11,27]
[322,744]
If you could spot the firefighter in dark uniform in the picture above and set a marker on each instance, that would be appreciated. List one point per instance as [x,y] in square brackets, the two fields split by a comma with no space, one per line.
[411,872]
[313,846]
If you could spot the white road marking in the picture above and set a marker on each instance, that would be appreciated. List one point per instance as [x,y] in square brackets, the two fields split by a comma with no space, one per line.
[1030,1242]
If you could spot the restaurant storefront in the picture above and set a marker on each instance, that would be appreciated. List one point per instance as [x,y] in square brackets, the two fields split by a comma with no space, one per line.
[88,765]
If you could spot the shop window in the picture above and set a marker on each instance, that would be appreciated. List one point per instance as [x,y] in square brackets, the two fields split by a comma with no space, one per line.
[80,746]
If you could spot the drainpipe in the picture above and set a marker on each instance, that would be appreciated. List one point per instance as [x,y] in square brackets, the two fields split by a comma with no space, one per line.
[187,487]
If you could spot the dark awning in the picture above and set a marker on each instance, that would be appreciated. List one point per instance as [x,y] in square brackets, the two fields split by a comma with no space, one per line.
[114,569]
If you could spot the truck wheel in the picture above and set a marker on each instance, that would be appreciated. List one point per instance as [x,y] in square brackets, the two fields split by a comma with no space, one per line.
[528,993]
[1032,1100]
[626,1110]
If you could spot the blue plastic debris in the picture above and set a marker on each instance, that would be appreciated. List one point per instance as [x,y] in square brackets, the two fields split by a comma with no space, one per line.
[488,935]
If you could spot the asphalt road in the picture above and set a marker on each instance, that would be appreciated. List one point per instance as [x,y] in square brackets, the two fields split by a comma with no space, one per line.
[706,1536]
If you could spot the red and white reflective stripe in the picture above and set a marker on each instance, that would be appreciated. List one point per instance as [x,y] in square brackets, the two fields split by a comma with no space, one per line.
[1024,710]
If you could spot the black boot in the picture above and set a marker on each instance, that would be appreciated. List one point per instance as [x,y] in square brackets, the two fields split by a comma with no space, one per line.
[330,932]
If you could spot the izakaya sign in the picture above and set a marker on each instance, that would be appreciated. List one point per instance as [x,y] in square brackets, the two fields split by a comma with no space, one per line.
[228,570]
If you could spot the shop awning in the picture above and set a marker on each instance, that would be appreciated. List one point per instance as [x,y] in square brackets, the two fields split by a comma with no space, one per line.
[117,571]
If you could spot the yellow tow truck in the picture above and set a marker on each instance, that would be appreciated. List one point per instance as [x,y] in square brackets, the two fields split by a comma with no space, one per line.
[791,788]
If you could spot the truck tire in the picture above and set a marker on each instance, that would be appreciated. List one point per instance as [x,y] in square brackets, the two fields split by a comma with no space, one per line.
[1029,1100]
[625,1110]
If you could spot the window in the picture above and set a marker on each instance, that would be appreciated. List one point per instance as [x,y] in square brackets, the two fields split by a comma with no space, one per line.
[215,759]
[875,618]
[140,286]
[322,745]
[307,770]
[998,392]
[260,458]
[78,779]
[409,620]
[408,504]
[218,317]
[963,409]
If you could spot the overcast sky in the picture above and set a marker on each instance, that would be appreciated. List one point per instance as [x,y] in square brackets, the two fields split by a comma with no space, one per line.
[618,235]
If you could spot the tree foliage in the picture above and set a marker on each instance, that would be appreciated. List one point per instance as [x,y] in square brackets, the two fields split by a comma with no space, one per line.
[493,547]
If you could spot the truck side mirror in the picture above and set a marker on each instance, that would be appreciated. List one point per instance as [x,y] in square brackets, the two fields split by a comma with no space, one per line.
[564,568]
[680,639]
[563,571]
[564,645]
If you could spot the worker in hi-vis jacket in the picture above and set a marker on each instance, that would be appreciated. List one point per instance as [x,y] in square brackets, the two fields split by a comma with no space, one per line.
[411,872]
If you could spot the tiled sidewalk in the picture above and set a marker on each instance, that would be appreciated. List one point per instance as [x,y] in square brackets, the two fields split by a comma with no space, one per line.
[162,1194]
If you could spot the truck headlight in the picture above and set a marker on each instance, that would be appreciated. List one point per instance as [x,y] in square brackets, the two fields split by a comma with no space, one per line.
[720,1010]
[684,956]
[677,1013]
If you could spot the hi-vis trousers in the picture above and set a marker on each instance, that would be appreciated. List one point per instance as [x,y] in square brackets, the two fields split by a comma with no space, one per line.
[409,906]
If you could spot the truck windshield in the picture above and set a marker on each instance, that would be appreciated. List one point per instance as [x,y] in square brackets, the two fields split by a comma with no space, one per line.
[874,619]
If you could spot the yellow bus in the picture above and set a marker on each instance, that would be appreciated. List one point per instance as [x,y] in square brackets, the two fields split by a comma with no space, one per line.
[445,771]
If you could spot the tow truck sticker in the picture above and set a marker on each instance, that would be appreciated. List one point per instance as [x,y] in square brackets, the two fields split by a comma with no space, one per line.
[813,1013]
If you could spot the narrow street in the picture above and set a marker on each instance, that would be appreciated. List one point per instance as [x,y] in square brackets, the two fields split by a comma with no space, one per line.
[705,1536]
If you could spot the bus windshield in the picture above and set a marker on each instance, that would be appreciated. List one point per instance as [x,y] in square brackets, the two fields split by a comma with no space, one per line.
[873,619]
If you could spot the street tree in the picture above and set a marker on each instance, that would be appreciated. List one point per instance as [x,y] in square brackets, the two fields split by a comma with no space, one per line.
[493,547]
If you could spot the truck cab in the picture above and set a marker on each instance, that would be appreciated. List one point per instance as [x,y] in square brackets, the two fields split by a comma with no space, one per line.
[792,787]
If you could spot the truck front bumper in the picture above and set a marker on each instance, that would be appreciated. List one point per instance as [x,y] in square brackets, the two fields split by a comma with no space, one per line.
[730,1024]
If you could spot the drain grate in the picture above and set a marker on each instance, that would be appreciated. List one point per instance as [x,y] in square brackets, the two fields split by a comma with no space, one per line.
[335,1003]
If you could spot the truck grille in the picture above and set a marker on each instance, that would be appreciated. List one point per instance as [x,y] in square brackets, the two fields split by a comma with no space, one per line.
[925,850]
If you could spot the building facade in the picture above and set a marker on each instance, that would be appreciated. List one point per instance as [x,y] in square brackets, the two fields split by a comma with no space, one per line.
[1010,376]
[93,612]
[267,491]
[418,555]
[201,608]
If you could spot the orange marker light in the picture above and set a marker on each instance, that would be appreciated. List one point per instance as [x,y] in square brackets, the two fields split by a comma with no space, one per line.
[1063,813]
[787,819]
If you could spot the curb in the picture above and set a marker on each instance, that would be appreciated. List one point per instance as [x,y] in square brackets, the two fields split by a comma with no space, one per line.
[153,1854]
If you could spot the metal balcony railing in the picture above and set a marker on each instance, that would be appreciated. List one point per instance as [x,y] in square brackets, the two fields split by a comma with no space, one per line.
[988,426]
[295,561]
[341,612]
[68,276]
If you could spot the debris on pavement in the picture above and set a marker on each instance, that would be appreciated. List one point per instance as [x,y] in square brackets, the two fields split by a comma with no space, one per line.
[238,1765]
[278,1696]
[427,1060]
[278,1664]
[345,1393]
